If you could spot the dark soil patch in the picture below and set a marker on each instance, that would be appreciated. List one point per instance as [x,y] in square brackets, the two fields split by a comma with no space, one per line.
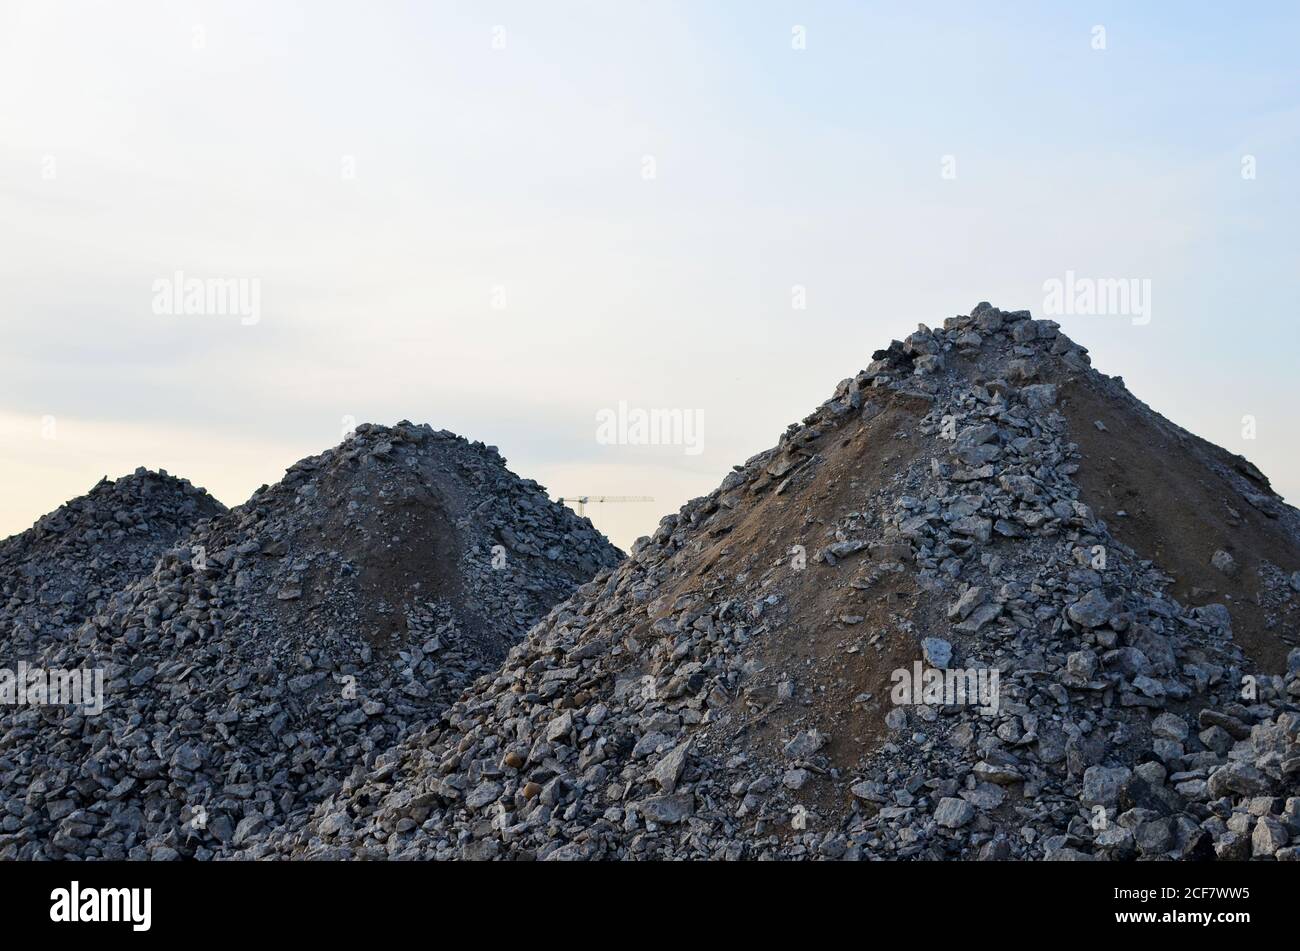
[405,549]
[1180,509]
[830,661]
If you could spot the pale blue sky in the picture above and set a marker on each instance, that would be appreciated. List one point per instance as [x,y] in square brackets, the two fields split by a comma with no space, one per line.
[521,169]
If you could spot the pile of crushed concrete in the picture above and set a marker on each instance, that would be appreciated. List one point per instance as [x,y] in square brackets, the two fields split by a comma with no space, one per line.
[982,603]
[256,660]
[62,569]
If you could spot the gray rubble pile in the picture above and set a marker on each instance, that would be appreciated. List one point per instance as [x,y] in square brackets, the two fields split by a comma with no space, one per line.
[715,697]
[287,645]
[61,570]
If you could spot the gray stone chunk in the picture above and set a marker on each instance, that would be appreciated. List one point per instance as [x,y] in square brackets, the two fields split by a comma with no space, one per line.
[937,652]
[1092,610]
[1101,785]
[804,745]
[953,813]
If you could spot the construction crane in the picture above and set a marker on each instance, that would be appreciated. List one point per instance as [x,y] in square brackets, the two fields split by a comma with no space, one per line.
[581,500]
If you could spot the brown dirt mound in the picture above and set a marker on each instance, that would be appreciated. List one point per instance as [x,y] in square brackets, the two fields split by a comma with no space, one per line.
[1179,515]
[848,630]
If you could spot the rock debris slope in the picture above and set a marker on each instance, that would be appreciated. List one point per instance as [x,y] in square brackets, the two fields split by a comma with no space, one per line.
[62,569]
[287,643]
[978,500]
